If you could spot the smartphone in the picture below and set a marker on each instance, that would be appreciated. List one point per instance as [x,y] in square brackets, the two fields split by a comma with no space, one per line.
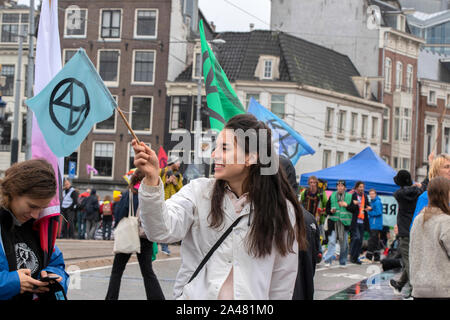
[49,278]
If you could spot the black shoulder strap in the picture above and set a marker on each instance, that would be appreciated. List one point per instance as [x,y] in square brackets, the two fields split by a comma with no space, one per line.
[218,243]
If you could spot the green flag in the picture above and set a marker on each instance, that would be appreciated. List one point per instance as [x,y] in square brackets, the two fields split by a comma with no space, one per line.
[222,101]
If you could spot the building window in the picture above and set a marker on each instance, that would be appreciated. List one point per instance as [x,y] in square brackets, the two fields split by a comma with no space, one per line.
[405,163]
[326,159]
[409,78]
[354,127]
[406,124]
[448,101]
[432,98]
[446,142]
[12,24]
[204,114]
[386,117]
[103,158]
[144,66]
[72,158]
[76,22]
[351,155]
[131,155]
[268,69]
[110,27]
[277,105]
[429,141]
[146,23]
[397,123]
[341,122]
[8,72]
[141,114]
[109,66]
[5,135]
[329,120]
[388,74]
[23,147]
[197,65]
[399,76]
[179,113]
[374,134]
[395,163]
[364,123]
[68,54]
[249,96]
[339,157]
[108,125]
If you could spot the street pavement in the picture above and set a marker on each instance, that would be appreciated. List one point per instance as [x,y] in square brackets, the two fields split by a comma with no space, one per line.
[89,263]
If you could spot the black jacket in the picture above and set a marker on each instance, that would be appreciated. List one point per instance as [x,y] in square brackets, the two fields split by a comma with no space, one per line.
[307,260]
[289,171]
[407,199]
[91,206]
[354,209]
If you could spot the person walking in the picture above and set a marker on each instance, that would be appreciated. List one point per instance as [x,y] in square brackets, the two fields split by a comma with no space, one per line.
[315,201]
[69,209]
[339,221]
[430,245]
[27,188]
[173,182]
[255,261]
[152,287]
[376,226]
[92,214]
[106,211]
[81,214]
[407,197]
[360,221]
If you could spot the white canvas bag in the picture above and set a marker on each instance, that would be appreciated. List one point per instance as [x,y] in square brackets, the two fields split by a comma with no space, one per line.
[126,234]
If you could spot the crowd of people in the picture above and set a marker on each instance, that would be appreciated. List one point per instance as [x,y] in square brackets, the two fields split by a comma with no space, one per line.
[244,235]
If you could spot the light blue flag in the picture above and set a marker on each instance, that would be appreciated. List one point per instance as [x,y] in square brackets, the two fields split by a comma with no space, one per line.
[71,103]
[288,141]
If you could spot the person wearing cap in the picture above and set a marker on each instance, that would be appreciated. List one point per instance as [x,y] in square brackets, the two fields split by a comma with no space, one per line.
[406,198]
[339,221]
[173,182]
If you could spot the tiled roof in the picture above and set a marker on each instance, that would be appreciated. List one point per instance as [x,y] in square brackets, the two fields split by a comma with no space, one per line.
[301,61]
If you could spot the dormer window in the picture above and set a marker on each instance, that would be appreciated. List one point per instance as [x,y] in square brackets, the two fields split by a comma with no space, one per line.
[197,67]
[267,68]
[401,22]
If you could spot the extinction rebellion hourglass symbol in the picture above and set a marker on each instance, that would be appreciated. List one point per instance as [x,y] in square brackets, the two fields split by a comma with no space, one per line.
[61,102]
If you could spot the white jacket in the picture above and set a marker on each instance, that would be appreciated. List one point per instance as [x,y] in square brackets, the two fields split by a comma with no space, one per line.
[184,217]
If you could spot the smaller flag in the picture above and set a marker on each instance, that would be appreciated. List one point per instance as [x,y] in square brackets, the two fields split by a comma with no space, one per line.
[70,104]
[162,157]
[287,141]
[90,169]
[128,175]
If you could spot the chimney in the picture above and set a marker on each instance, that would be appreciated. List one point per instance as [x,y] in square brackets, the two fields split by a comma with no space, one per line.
[252,26]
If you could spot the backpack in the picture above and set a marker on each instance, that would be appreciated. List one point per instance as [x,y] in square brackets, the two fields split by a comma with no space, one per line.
[107,209]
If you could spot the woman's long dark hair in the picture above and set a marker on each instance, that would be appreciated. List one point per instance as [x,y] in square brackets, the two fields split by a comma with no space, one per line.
[268,195]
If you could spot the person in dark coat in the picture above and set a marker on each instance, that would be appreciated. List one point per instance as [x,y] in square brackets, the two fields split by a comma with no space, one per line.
[307,260]
[406,198]
[92,213]
[360,221]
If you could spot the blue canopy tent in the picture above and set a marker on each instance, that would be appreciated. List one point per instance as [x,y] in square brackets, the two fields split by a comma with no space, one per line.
[366,166]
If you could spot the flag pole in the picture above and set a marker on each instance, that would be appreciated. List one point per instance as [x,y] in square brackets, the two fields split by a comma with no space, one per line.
[128,125]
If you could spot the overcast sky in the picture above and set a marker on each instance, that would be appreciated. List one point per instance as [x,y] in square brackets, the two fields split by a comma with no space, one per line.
[230,15]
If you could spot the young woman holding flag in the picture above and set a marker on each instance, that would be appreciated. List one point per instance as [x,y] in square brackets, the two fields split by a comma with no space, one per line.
[259,258]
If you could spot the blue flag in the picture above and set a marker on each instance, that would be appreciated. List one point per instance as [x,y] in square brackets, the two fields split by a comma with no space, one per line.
[288,141]
[71,103]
